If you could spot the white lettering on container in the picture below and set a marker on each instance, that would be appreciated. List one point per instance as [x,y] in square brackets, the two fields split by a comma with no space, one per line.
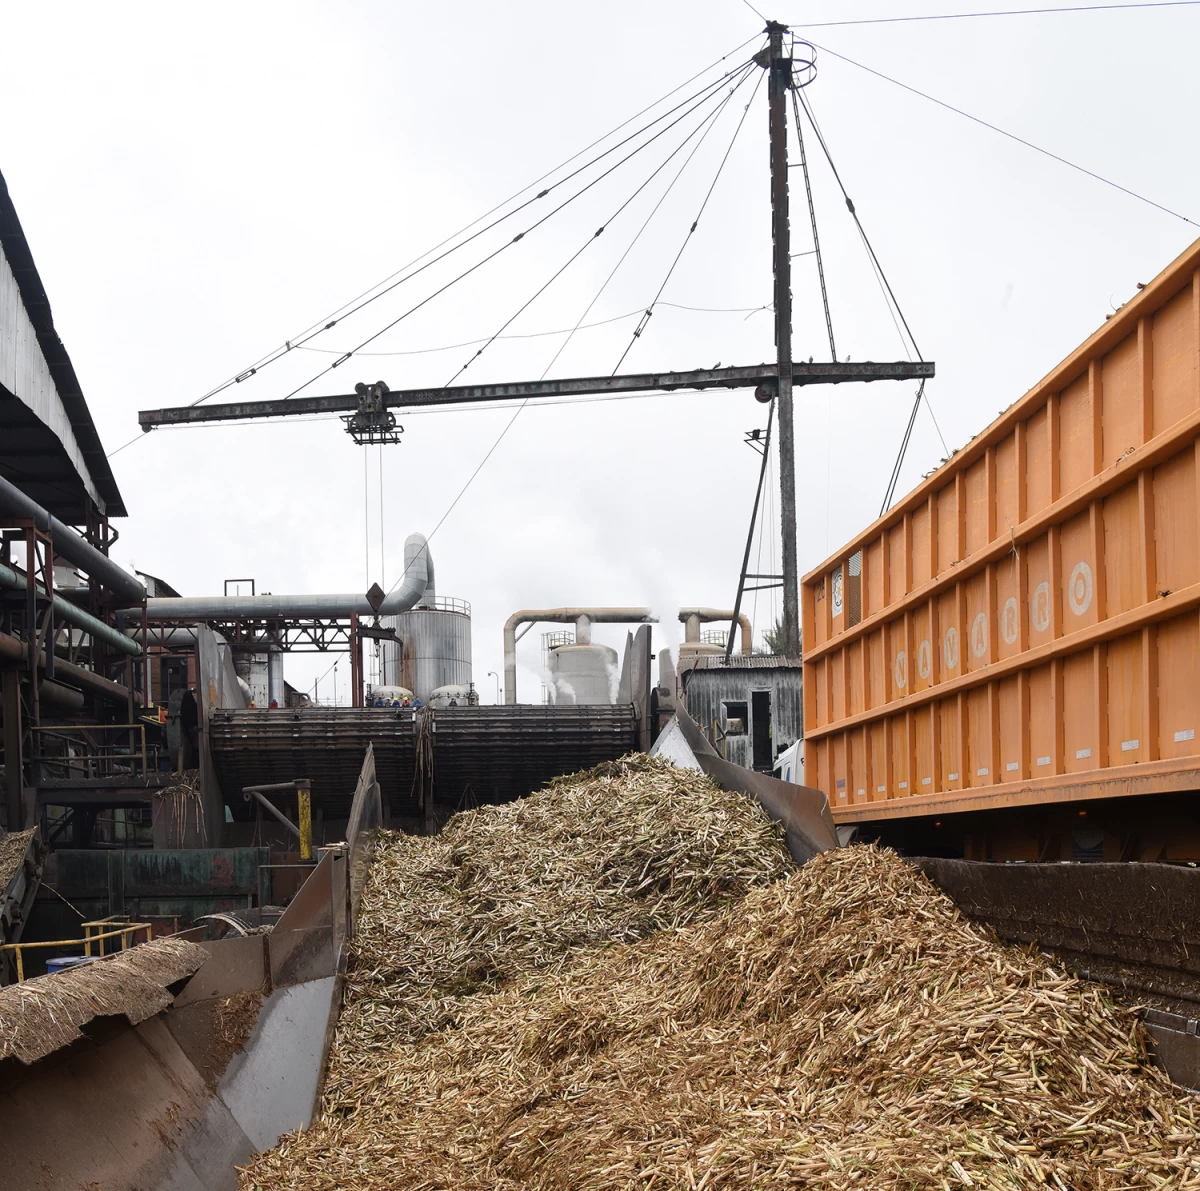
[925,781]
[981,772]
[1079,588]
[950,648]
[903,785]
[924,660]
[1039,606]
[1043,760]
[1130,746]
[901,670]
[979,635]
[1082,754]
[863,792]
[952,777]
[1013,766]
[1186,734]
[881,789]
[1008,620]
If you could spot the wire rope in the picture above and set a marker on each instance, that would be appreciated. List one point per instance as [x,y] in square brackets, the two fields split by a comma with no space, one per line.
[1006,12]
[695,223]
[1012,136]
[812,214]
[706,97]
[351,306]
[705,125]
[520,408]
[893,304]
[646,223]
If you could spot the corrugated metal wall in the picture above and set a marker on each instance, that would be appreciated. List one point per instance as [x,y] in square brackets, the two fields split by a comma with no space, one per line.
[1025,620]
[709,690]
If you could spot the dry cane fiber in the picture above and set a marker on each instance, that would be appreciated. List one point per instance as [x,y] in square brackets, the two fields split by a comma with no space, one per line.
[841,1027]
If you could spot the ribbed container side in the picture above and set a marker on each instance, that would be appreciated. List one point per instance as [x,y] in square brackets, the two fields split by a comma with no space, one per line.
[1022,628]
[433,650]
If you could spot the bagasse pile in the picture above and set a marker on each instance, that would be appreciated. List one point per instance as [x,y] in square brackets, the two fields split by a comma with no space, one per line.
[842,1027]
[12,854]
[608,855]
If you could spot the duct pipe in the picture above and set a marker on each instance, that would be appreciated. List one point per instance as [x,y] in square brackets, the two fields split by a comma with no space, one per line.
[65,698]
[70,545]
[407,594]
[589,616]
[69,612]
[275,688]
[693,618]
[13,649]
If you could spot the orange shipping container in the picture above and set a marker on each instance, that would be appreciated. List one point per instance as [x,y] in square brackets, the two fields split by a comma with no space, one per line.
[1024,627]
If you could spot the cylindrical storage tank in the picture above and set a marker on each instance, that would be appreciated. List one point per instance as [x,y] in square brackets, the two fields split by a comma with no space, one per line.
[584,674]
[432,648]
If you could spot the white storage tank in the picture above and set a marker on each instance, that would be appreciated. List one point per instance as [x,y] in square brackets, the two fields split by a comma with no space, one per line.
[584,673]
[432,648]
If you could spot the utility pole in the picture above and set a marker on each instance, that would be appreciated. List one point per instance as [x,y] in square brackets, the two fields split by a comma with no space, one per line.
[779,83]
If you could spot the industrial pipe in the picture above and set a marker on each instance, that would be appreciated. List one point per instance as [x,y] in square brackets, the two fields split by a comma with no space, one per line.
[407,594]
[693,618]
[70,545]
[65,698]
[13,649]
[65,610]
[589,616]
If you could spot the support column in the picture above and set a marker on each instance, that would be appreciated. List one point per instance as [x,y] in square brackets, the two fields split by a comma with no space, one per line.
[779,84]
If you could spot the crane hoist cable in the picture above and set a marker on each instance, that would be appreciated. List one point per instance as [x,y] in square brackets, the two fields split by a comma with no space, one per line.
[517,412]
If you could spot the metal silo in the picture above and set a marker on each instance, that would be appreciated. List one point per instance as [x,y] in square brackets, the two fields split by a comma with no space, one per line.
[583,673]
[432,647]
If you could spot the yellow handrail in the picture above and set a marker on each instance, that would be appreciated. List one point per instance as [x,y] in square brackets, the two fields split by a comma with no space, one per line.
[124,931]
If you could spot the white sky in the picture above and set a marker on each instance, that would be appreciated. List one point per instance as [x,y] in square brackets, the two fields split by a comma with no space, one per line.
[199,184]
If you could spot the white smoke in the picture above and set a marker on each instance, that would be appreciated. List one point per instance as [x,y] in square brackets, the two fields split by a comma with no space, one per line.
[557,685]
[614,682]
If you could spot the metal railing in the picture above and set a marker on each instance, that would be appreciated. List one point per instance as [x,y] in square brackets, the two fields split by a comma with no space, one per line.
[97,759]
[123,931]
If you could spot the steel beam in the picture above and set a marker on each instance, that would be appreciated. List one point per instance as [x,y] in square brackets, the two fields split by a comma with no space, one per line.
[748,377]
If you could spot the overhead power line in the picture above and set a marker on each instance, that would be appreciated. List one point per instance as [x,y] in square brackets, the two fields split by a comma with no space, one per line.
[1012,136]
[1005,12]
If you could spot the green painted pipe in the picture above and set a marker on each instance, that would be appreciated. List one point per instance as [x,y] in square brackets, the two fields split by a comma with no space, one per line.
[65,610]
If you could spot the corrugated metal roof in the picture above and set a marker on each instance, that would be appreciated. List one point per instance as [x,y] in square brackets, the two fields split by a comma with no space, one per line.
[43,469]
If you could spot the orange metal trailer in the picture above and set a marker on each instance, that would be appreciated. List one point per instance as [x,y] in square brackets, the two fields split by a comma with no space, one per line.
[1023,629]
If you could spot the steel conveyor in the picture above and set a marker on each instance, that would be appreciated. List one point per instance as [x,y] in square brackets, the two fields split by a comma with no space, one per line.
[481,754]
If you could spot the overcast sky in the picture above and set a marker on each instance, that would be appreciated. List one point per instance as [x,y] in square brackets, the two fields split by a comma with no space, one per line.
[201,183]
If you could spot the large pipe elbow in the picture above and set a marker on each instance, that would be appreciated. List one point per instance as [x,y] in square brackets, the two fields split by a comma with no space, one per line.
[711,615]
[559,616]
[408,592]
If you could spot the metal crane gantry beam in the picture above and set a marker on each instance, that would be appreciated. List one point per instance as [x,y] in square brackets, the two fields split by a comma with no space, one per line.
[367,411]
[755,376]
